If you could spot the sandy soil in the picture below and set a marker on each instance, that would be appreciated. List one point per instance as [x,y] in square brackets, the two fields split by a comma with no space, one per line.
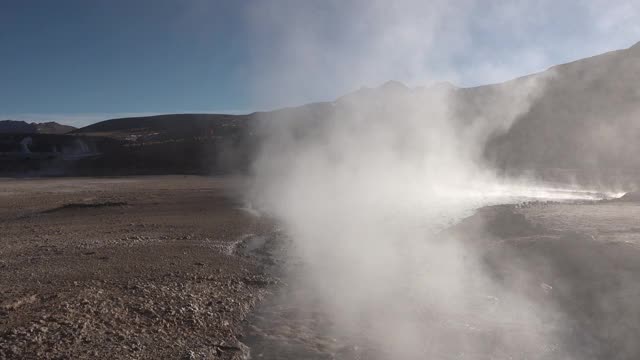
[135,268]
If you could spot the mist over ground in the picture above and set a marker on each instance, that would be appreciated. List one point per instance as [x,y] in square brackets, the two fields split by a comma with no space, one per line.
[364,193]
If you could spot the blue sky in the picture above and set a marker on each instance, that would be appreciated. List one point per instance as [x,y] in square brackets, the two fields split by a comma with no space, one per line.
[78,61]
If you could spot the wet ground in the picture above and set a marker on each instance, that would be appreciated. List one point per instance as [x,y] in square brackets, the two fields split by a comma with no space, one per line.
[577,263]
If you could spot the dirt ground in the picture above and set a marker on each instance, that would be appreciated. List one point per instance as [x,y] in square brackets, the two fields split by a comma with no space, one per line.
[157,268]
[135,268]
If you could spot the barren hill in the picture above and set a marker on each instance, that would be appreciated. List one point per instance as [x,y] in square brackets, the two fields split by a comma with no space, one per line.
[582,121]
[23,127]
[587,119]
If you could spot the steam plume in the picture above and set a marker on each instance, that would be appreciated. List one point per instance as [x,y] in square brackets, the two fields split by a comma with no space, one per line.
[364,185]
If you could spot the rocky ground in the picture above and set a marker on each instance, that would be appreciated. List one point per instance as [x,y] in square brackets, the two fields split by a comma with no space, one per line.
[131,268]
[170,268]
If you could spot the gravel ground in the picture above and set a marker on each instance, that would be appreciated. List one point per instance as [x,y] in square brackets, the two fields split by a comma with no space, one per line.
[131,268]
[171,267]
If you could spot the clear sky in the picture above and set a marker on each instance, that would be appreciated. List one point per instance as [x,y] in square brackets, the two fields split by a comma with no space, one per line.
[79,61]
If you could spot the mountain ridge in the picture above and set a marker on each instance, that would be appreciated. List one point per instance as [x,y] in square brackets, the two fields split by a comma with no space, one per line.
[585,118]
[20,126]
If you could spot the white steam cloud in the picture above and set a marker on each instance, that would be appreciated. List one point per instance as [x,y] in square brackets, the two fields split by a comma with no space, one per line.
[363,186]
[362,193]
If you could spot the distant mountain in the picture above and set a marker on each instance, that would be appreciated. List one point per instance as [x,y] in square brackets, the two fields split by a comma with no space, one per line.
[22,127]
[587,119]
[173,143]
[15,126]
[580,119]
[53,128]
[182,123]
